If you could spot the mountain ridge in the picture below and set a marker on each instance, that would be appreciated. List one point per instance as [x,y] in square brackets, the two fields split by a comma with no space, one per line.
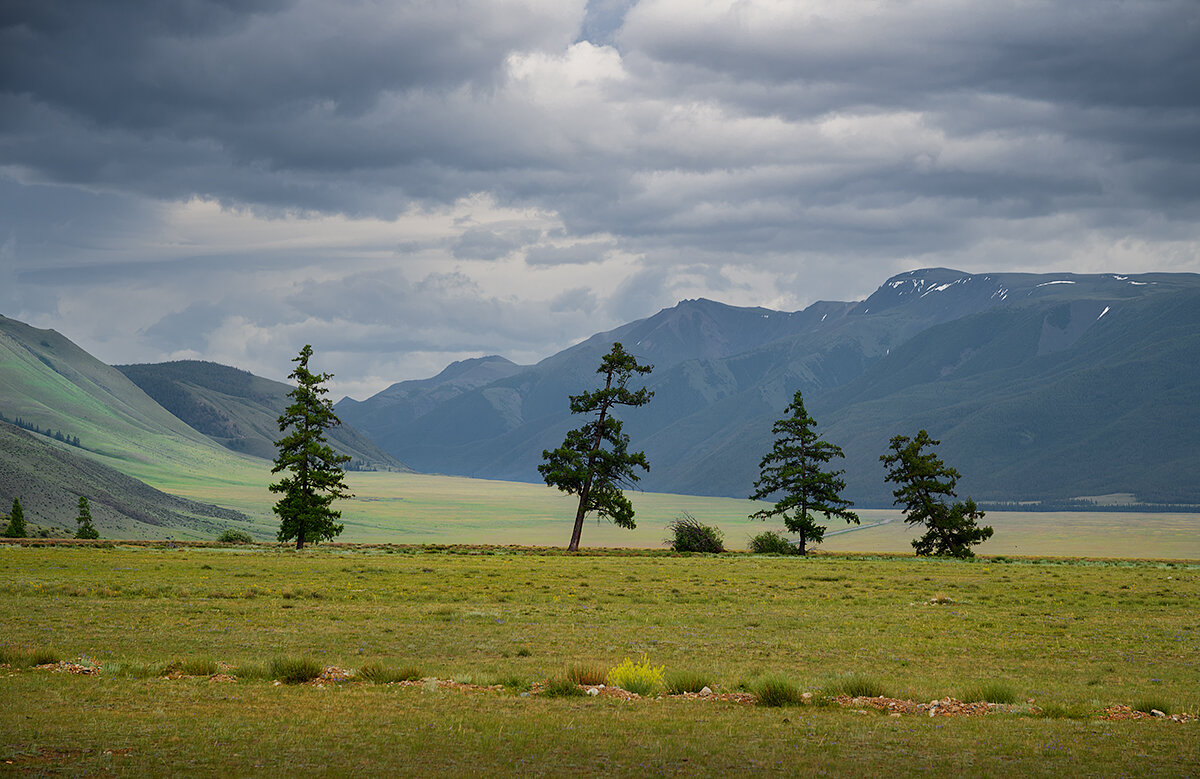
[720,382]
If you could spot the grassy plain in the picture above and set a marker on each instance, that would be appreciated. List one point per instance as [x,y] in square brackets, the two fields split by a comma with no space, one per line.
[431,509]
[1073,637]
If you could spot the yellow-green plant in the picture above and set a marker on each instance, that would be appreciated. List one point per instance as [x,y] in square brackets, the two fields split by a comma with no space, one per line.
[640,677]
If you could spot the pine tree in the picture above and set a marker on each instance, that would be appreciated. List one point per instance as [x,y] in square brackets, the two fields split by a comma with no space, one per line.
[582,466]
[16,521]
[84,520]
[795,467]
[314,471]
[925,482]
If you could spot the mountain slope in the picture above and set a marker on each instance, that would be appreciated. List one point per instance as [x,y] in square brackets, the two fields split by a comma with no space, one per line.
[49,479]
[240,410]
[49,383]
[995,364]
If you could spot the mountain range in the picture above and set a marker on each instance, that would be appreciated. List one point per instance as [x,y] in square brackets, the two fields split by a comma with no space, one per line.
[1042,388]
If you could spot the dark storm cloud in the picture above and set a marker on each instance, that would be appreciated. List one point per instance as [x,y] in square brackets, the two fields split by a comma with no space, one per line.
[661,148]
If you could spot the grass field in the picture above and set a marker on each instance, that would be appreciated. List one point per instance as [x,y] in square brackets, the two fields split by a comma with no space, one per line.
[431,509]
[1072,637]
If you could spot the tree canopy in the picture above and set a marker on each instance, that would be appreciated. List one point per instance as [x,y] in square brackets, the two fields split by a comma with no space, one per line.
[795,468]
[594,461]
[84,519]
[314,475]
[924,483]
[16,521]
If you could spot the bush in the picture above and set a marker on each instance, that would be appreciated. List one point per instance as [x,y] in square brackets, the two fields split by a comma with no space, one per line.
[40,655]
[1148,705]
[776,690]
[19,656]
[689,535]
[232,536]
[514,683]
[561,688]
[640,677]
[991,692]
[199,666]
[856,686]
[770,542]
[295,670]
[587,673]
[685,681]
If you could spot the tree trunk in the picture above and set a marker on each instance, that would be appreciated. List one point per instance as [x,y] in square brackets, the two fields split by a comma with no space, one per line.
[580,513]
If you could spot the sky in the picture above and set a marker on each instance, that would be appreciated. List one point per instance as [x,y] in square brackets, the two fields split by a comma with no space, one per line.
[404,184]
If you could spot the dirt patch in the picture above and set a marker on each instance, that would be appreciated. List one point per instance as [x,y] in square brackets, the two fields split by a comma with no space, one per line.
[1121,712]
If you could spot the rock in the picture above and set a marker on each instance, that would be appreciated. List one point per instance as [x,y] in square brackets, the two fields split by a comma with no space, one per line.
[706,690]
[1157,713]
[593,691]
[806,697]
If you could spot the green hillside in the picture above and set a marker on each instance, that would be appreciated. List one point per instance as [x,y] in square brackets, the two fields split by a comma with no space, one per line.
[50,478]
[50,384]
[240,411]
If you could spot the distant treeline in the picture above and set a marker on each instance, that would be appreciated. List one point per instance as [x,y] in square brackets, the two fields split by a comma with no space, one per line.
[57,435]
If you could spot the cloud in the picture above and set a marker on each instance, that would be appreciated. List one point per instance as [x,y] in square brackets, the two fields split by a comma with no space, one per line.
[457,178]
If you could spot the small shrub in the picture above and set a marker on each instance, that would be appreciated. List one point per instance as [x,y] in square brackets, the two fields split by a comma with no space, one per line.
[524,652]
[640,677]
[856,686]
[774,690]
[514,683]
[685,681]
[1148,705]
[378,673]
[991,692]
[295,670]
[587,673]
[561,688]
[11,655]
[770,542]
[199,666]
[234,536]
[249,671]
[689,535]
[40,655]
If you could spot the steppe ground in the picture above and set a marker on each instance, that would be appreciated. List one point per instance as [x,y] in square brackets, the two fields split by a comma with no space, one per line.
[1066,640]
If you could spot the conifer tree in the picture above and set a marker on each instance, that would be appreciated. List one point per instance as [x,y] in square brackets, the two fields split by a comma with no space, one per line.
[16,521]
[582,465]
[84,520]
[925,482]
[795,467]
[314,470]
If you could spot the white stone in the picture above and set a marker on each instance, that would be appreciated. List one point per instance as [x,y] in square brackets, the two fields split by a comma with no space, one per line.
[706,691]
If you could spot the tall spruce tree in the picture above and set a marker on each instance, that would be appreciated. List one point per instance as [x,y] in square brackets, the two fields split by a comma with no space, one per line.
[16,521]
[795,467]
[582,465]
[84,519]
[924,483]
[314,476]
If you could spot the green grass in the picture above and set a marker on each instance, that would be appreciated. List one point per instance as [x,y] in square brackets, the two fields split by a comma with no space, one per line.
[1073,636]
[991,691]
[855,686]
[776,690]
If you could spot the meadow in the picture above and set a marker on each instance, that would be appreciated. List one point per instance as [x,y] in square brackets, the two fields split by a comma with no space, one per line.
[1063,640]
[408,508]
